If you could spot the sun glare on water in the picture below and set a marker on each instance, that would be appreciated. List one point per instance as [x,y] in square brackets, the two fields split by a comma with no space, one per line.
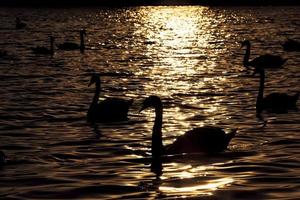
[205,188]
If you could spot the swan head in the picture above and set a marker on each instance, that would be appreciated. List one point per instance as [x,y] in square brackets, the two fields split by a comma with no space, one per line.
[82,32]
[94,79]
[151,101]
[245,43]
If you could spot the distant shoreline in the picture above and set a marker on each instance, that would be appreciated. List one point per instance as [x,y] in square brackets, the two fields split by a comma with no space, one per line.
[124,3]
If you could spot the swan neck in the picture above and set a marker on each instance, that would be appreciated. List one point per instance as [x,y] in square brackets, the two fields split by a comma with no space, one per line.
[157,145]
[82,46]
[247,56]
[51,47]
[260,96]
[97,93]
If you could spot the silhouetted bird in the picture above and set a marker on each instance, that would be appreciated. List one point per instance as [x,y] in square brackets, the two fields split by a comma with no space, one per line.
[68,46]
[19,24]
[203,139]
[44,50]
[2,158]
[274,102]
[108,110]
[264,61]
[291,45]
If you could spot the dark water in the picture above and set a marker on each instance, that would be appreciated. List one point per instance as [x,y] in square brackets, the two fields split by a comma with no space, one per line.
[191,57]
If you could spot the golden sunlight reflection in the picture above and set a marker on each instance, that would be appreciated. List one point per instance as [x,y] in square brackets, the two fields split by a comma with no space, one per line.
[176,170]
[183,54]
[180,178]
[206,188]
[176,37]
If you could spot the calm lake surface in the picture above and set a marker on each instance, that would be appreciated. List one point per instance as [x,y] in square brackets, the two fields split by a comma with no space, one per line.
[191,57]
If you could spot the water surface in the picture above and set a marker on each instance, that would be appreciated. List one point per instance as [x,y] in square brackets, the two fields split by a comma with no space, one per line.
[191,57]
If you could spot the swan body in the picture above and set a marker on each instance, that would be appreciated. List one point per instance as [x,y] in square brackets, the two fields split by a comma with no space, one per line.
[274,102]
[44,50]
[69,46]
[291,45]
[263,61]
[19,24]
[205,139]
[108,110]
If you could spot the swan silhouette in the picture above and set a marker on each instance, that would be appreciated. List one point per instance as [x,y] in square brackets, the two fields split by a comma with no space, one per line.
[274,102]
[2,158]
[291,45]
[108,110]
[263,61]
[203,139]
[68,46]
[44,50]
[19,24]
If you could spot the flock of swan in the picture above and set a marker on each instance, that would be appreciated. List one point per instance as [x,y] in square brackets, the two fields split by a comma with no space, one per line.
[204,139]
[42,50]
[275,102]
[66,46]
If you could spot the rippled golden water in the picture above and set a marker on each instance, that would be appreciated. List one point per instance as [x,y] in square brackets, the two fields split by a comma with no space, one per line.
[191,57]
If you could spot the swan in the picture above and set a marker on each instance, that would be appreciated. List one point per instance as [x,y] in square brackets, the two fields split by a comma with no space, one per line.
[205,139]
[108,110]
[263,61]
[44,50]
[68,46]
[274,102]
[19,24]
[2,158]
[291,45]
